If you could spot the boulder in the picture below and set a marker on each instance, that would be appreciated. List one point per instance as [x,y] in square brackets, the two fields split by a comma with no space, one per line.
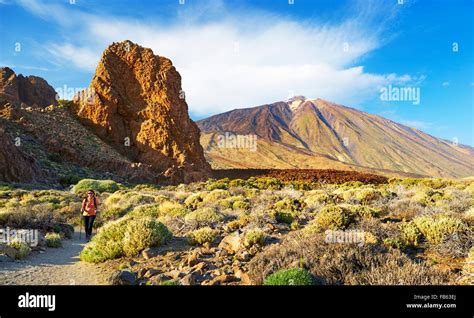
[123,278]
[231,243]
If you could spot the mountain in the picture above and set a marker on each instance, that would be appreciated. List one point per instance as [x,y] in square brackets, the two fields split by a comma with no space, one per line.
[30,90]
[305,133]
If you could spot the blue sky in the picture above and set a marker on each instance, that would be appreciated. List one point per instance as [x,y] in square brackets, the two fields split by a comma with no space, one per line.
[234,54]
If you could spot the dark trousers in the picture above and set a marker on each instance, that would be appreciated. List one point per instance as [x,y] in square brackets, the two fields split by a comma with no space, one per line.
[88,223]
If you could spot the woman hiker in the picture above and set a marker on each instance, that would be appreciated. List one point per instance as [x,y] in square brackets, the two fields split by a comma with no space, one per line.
[89,210]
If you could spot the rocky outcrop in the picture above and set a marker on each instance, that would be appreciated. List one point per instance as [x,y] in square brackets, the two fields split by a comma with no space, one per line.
[16,166]
[31,90]
[135,103]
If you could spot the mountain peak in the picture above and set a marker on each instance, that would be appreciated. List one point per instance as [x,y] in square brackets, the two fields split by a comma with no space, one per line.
[295,102]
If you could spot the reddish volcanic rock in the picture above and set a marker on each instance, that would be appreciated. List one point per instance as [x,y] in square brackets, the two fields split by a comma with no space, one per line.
[15,166]
[137,106]
[31,90]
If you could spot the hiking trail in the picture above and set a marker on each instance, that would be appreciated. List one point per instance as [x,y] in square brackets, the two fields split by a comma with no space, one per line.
[55,266]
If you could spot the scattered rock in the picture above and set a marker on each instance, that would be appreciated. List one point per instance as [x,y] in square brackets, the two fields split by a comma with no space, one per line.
[151,272]
[244,256]
[123,278]
[148,253]
[190,279]
[9,251]
[221,279]
[5,258]
[192,259]
[231,243]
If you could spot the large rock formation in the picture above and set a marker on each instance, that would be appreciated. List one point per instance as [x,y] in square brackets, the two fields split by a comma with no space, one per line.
[135,104]
[31,90]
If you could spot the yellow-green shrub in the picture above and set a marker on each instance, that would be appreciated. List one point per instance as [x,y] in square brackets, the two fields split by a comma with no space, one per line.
[172,208]
[334,217]
[126,236]
[194,200]
[241,222]
[202,236]
[253,237]
[435,229]
[53,240]
[410,235]
[23,250]
[144,232]
[362,211]
[204,216]
[315,198]
[216,195]
[426,196]
[96,185]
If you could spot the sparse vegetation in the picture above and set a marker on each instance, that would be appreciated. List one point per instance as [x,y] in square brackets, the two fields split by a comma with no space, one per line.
[23,250]
[53,240]
[294,276]
[96,185]
[407,226]
[202,236]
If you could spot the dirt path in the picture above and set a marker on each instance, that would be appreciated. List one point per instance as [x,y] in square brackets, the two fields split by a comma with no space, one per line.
[56,266]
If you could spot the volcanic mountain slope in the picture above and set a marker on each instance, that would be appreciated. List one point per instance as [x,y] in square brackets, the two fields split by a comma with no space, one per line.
[303,133]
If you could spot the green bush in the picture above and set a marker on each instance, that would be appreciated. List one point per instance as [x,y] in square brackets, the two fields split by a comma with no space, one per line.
[194,200]
[242,221]
[53,240]
[126,236]
[426,196]
[363,211]
[202,236]
[410,234]
[142,233]
[316,197]
[219,184]
[288,277]
[284,217]
[435,229]
[22,248]
[216,195]
[204,216]
[172,208]
[334,217]
[253,237]
[169,283]
[96,185]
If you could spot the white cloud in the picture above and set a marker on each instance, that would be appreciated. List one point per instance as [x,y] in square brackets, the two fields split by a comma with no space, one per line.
[241,60]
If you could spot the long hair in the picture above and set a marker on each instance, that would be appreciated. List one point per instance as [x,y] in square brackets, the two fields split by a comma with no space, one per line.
[86,197]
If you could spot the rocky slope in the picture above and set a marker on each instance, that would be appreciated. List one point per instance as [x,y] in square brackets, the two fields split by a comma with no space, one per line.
[137,106]
[133,125]
[305,133]
[14,164]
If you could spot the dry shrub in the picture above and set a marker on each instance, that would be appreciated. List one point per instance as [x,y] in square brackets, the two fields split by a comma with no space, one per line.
[333,263]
